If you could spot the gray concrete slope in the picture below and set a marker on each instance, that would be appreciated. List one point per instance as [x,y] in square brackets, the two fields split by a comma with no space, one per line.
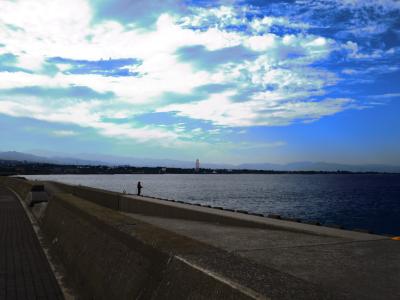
[354,267]
[275,258]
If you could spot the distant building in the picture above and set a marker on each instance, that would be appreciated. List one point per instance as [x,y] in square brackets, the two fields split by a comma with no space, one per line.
[197,166]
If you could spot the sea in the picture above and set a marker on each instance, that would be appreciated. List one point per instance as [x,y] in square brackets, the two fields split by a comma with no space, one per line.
[354,201]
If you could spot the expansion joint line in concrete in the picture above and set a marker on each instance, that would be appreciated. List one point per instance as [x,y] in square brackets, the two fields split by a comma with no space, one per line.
[244,290]
[170,258]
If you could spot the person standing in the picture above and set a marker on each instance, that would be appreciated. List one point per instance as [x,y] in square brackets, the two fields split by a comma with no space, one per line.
[139,188]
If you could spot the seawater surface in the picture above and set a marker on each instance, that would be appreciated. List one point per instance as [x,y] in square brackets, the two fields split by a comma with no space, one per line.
[365,201]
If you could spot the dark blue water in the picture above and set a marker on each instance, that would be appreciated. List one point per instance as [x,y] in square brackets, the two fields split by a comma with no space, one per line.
[353,201]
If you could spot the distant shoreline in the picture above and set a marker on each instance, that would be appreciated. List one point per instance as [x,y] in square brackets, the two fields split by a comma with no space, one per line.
[12,168]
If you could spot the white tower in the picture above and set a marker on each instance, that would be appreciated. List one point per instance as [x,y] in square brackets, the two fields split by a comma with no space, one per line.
[197,166]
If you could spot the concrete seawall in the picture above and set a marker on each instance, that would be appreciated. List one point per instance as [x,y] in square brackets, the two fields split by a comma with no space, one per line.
[116,246]
[106,261]
[21,186]
[176,210]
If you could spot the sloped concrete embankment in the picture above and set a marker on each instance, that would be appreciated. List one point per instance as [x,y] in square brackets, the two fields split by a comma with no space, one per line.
[149,206]
[157,207]
[111,256]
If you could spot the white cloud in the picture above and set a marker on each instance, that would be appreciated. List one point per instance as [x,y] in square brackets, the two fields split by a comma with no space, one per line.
[383,5]
[214,131]
[266,111]
[385,96]
[377,69]
[279,79]
[354,51]
[197,130]
[264,24]
[261,42]
[63,133]
[84,114]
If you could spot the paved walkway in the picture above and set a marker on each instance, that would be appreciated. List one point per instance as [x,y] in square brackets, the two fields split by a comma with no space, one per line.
[24,270]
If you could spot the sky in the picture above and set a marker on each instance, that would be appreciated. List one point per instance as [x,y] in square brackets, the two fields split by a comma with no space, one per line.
[223,81]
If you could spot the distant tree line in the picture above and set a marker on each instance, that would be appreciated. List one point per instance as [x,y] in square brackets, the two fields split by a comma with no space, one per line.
[8,167]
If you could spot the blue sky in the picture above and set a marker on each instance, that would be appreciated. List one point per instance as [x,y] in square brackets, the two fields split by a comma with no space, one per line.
[223,81]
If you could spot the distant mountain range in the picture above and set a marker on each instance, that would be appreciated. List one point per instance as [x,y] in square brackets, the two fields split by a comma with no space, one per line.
[111,160]
[19,156]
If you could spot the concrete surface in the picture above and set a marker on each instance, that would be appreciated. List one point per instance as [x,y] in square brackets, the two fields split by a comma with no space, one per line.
[168,209]
[118,246]
[24,270]
[346,263]
[355,268]
[361,270]
[112,256]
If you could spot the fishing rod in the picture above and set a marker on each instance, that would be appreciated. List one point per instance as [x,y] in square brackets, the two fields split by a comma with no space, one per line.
[147,189]
[154,194]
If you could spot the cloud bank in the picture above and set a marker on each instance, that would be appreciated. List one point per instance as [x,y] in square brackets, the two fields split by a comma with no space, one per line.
[220,66]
